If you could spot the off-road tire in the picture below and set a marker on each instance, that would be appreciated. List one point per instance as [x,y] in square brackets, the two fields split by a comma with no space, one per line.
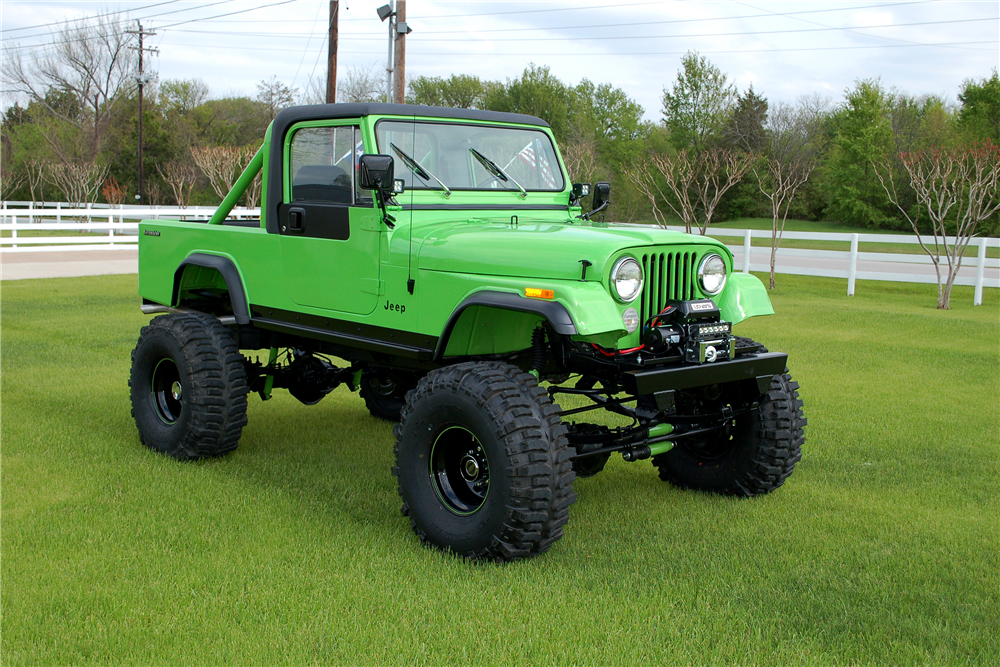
[530,477]
[765,446]
[380,403]
[208,417]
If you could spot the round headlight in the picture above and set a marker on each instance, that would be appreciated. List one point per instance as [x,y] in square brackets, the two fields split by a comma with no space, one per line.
[626,279]
[712,274]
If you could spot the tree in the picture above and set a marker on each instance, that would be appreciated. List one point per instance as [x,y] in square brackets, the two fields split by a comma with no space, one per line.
[696,182]
[113,192]
[745,128]
[958,188]
[221,166]
[90,62]
[275,96]
[783,169]
[181,96]
[180,177]
[536,92]
[78,181]
[361,85]
[459,90]
[863,135]
[698,104]
[9,182]
[980,112]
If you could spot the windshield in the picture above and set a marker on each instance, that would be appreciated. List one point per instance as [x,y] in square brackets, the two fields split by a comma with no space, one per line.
[443,150]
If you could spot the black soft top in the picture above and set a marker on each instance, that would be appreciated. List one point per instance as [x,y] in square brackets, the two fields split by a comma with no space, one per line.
[288,117]
[322,111]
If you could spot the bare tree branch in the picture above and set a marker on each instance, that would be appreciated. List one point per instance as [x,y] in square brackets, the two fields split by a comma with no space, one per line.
[958,190]
[180,177]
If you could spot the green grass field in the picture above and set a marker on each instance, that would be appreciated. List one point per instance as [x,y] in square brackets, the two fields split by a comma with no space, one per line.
[882,548]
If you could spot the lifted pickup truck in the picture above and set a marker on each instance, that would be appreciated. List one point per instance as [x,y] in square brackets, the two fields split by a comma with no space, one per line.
[444,257]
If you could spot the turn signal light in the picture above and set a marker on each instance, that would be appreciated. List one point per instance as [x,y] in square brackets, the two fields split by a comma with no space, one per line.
[535,293]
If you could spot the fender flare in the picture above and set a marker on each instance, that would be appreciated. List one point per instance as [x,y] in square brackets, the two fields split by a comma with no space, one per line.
[226,267]
[554,313]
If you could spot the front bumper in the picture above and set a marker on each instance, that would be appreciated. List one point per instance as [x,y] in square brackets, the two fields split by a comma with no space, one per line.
[758,367]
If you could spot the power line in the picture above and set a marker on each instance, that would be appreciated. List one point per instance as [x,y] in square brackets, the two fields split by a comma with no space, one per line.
[85,18]
[141,18]
[715,34]
[707,52]
[635,53]
[540,11]
[305,50]
[233,33]
[671,21]
[242,11]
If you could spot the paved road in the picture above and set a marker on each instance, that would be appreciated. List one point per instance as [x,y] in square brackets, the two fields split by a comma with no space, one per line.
[67,264]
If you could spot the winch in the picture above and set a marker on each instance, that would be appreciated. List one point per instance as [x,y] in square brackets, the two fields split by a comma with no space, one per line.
[695,329]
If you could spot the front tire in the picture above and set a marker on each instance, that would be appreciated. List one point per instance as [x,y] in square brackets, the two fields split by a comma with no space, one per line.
[483,462]
[188,387]
[756,457]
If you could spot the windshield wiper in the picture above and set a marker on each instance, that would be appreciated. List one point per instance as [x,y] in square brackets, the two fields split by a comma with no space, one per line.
[497,172]
[419,169]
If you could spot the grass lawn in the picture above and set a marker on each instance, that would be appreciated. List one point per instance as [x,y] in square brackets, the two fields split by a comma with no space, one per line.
[882,548]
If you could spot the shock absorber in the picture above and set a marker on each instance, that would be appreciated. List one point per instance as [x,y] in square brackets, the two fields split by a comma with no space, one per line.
[538,352]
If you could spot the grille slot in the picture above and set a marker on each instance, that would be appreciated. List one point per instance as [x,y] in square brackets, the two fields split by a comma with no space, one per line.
[668,275]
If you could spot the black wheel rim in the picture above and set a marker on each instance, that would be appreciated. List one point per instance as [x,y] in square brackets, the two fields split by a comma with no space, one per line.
[383,386]
[167,392]
[459,470]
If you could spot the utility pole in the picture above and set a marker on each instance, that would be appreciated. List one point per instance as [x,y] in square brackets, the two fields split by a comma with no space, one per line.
[331,57]
[396,64]
[142,79]
[399,73]
[389,64]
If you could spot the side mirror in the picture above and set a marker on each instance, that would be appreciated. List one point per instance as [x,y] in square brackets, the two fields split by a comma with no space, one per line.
[602,195]
[375,172]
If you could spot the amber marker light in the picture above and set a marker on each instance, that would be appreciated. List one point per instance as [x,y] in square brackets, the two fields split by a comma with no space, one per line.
[535,293]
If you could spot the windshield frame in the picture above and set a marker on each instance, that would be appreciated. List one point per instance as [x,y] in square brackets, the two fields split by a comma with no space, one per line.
[556,164]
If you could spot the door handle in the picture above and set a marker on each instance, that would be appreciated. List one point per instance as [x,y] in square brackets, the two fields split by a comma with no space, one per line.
[296,221]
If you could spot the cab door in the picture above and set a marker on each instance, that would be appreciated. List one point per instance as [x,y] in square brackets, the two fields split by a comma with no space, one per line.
[329,228]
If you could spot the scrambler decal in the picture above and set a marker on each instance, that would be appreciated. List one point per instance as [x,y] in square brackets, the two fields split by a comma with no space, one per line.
[151,232]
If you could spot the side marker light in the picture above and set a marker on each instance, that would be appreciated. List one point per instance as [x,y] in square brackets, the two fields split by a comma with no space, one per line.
[536,293]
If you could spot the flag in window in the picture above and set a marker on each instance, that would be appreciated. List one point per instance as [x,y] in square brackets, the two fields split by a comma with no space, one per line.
[535,157]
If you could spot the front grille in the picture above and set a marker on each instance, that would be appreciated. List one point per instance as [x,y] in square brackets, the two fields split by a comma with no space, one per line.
[668,275]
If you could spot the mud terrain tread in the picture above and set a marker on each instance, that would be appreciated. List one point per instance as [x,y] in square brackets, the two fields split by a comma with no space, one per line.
[218,392]
[779,433]
[536,447]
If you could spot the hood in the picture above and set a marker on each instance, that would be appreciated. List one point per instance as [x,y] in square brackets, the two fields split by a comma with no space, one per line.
[536,249]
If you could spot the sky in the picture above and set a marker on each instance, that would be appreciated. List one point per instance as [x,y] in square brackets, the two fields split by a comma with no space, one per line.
[785,49]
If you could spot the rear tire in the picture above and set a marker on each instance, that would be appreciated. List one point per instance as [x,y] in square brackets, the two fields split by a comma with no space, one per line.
[384,394]
[754,458]
[188,387]
[483,462]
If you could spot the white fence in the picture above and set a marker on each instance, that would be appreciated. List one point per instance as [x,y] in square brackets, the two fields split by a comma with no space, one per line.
[84,221]
[844,263]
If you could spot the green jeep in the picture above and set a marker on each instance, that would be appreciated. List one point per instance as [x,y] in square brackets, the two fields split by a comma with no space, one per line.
[442,258]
